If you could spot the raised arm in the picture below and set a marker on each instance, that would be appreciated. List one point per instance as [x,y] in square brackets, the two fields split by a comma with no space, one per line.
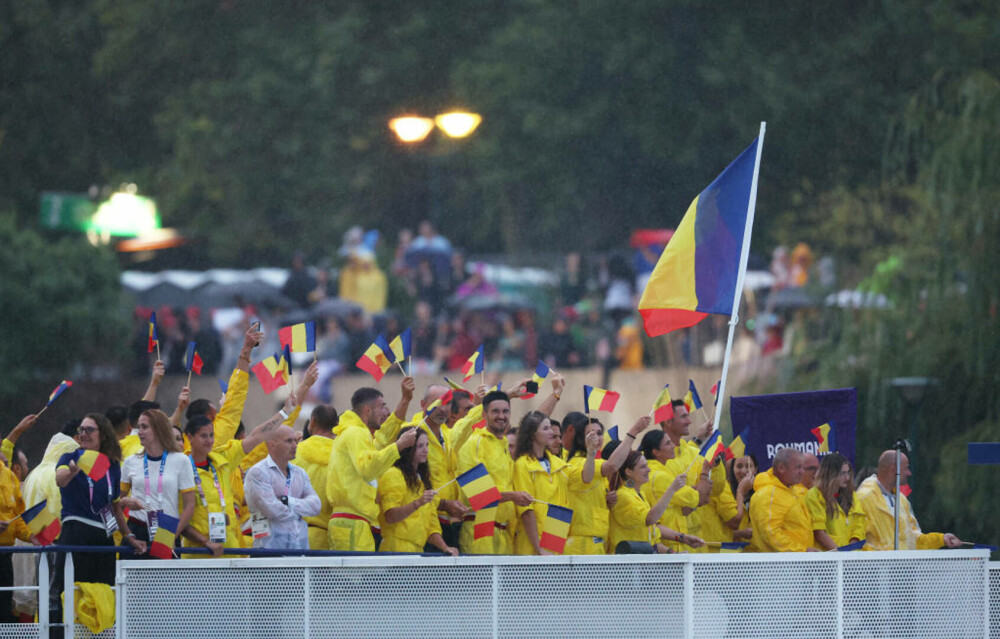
[154,383]
[661,504]
[558,385]
[227,421]
[260,434]
[613,463]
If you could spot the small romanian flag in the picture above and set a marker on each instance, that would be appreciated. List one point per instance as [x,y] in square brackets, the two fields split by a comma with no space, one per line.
[692,401]
[94,464]
[715,391]
[401,346]
[300,337]
[476,364]
[485,522]
[663,409]
[286,362]
[478,487]
[377,359]
[192,360]
[713,447]
[858,545]
[556,528]
[166,534]
[42,523]
[733,545]
[826,437]
[737,448]
[539,376]
[154,338]
[270,373]
[60,389]
[599,399]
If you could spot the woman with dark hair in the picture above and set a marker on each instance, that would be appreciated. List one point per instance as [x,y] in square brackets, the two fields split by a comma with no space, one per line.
[632,517]
[837,516]
[740,473]
[658,448]
[588,483]
[408,503]
[91,511]
[214,524]
[540,474]
[161,482]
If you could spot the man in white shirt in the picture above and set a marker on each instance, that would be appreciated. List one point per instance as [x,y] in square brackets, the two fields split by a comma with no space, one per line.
[279,495]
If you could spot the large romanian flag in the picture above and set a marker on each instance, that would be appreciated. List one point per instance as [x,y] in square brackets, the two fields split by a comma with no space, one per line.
[697,271]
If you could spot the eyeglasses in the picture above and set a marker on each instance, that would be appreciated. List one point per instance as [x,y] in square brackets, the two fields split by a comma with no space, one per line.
[86,430]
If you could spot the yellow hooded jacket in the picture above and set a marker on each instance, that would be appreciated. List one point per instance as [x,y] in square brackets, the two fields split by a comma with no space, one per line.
[357,461]
[779,519]
[313,456]
[881,522]
[548,487]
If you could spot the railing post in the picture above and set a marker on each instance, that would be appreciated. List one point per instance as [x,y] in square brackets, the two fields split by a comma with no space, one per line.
[306,594]
[43,595]
[69,598]
[840,596]
[689,597]
[496,601]
[986,597]
[120,594]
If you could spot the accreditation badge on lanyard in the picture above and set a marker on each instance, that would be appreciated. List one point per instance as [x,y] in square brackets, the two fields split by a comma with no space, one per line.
[152,516]
[106,513]
[216,521]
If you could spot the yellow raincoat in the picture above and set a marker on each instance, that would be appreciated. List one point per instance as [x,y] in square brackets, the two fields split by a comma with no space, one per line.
[591,523]
[483,447]
[549,487]
[313,456]
[411,534]
[881,522]
[779,519]
[842,528]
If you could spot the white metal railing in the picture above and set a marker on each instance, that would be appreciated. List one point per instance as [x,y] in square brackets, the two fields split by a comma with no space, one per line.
[861,594]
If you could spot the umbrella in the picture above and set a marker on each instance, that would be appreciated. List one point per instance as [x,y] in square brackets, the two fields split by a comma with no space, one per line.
[495,301]
[791,298]
[251,292]
[336,307]
[857,299]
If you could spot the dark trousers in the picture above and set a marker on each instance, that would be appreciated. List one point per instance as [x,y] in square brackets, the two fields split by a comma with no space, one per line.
[91,567]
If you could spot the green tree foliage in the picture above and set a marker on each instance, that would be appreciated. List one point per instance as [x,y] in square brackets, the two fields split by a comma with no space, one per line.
[942,275]
[62,313]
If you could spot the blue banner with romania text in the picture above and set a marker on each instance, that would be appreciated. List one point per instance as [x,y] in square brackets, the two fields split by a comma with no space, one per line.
[818,422]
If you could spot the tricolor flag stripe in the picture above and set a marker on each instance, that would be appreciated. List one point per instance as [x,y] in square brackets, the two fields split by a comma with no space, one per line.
[599,399]
[478,487]
[94,464]
[166,533]
[475,364]
[400,346]
[663,409]
[59,390]
[695,398]
[301,338]
[556,529]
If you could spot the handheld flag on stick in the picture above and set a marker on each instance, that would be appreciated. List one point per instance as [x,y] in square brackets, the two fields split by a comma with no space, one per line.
[94,464]
[695,399]
[154,338]
[59,390]
[479,487]
[663,409]
[556,528]
[485,522]
[192,360]
[599,399]
[270,373]
[539,376]
[166,533]
[453,385]
[377,359]
[42,523]
[301,338]
[286,364]
[713,447]
[826,436]
[858,545]
[727,545]
[401,347]
[613,433]
[715,391]
[476,364]
[737,448]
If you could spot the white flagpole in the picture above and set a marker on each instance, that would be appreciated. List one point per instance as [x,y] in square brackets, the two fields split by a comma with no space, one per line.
[734,318]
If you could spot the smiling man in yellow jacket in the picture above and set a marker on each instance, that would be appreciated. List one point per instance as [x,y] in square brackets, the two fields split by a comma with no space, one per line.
[362,451]
[779,519]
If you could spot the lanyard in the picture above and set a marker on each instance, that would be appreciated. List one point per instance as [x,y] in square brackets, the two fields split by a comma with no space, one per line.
[90,486]
[159,483]
[215,479]
[288,481]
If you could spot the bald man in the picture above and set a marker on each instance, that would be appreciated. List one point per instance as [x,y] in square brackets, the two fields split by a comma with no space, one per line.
[779,519]
[279,495]
[877,496]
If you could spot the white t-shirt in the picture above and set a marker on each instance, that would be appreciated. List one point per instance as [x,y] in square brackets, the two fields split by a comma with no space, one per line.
[177,478]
